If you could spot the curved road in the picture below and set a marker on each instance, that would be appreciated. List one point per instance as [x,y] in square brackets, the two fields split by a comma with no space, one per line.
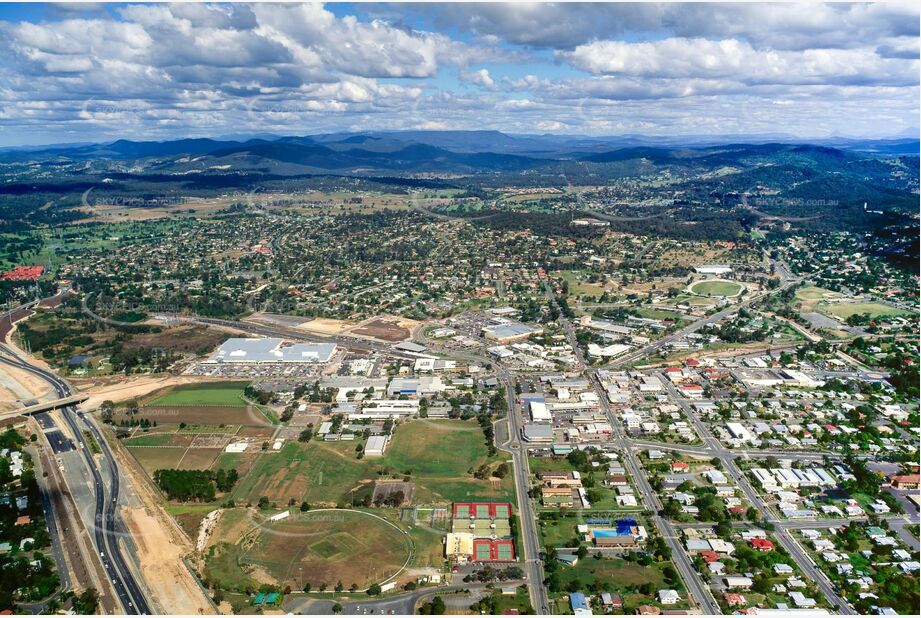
[107,534]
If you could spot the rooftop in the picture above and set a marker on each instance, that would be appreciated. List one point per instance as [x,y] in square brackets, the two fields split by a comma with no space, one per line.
[271,350]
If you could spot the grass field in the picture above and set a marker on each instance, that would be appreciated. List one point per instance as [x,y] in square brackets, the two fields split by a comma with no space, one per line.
[716,288]
[846,310]
[812,293]
[619,576]
[319,547]
[579,284]
[437,454]
[210,394]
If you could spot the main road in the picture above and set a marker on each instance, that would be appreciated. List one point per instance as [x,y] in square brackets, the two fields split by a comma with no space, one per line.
[699,593]
[795,550]
[107,526]
[530,538]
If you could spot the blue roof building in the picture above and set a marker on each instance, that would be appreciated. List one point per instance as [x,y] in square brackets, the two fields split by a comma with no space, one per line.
[577,602]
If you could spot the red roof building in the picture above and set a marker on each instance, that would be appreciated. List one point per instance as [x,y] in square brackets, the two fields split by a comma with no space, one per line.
[23,273]
[762,544]
[680,466]
[734,599]
[905,481]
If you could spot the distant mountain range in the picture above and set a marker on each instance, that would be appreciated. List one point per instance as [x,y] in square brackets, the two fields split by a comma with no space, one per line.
[463,152]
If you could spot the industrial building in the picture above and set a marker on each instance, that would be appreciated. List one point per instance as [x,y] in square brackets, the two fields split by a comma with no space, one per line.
[375,446]
[426,385]
[261,350]
[508,331]
[713,269]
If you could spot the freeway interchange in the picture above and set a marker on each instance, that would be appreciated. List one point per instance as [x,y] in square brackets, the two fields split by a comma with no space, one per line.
[107,527]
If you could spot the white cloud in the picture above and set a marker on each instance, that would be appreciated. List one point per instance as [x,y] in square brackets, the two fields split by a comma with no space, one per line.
[479,78]
[165,70]
[563,25]
[738,60]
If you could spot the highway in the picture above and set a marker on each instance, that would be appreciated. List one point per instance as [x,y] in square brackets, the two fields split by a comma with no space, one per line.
[107,528]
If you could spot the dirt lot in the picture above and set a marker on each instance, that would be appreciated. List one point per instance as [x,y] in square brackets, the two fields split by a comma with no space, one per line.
[161,545]
[155,458]
[198,458]
[384,489]
[388,328]
[119,388]
[320,326]
[190,338]
[326,326]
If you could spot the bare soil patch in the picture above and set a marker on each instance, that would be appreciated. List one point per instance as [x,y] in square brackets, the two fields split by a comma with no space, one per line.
[386,489]
[390,329]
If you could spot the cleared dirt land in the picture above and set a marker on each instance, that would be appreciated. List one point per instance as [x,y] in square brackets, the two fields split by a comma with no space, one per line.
[388,328]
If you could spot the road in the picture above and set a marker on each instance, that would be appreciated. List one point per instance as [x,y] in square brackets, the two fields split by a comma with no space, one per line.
[107,528]
[533,566]
[54,533]
[699,593]
[783,536]
[404,604]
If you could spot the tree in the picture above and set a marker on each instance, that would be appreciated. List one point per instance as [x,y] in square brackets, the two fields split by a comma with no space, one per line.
[374,589]
[87,602]
[106,410]
[672,509]
[438,606]
[337,608]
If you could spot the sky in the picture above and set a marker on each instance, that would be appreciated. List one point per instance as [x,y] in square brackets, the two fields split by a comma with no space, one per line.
[97,72]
